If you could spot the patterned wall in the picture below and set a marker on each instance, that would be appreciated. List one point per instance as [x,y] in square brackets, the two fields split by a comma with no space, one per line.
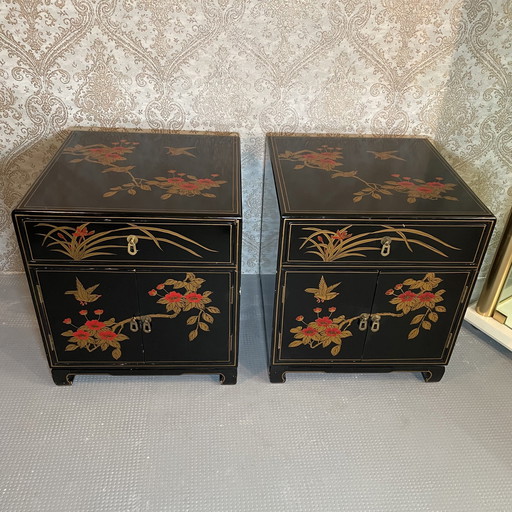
[440,68]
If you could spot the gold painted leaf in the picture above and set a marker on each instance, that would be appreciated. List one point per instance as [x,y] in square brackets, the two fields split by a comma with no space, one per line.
[417,319]
[426,325]
[110,194]
[208,318]
[441,309]
[213,309]
[71,347]
[357,199]
[191,319]
[345,334]
[132,192]
[192,335]
[68,333]
[299,167]
[204,326]
[121,337]
[413,334]
[145,187]
[208,195]
[433,316]
[411,200]
[295,343]
[335,350]
[116,353]
[75,161]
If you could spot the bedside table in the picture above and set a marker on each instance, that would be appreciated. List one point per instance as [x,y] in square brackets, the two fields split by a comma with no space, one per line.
[370,250]
[131,245]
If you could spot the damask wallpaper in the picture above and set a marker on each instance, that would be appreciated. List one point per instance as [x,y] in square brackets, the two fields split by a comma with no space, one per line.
[437,68]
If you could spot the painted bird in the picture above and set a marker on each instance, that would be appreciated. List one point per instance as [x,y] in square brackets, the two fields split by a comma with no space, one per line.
[82,294]
[179,151]
[323,292]
[386,155]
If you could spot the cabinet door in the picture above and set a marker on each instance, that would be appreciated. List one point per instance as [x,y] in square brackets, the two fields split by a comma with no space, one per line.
[89,313]
[418,311]
[189,317]
[319,320]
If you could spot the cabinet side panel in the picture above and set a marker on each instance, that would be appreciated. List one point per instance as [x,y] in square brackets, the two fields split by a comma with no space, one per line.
[269,245]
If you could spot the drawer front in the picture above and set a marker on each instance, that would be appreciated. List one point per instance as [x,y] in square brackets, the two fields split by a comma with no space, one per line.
[125,242]
[339,243]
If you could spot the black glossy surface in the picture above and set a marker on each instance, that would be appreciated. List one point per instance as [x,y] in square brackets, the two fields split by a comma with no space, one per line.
[307,185]
[91,164]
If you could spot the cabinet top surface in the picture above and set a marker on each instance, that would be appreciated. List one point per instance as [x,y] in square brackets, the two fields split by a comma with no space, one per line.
[166,173]
[318,175]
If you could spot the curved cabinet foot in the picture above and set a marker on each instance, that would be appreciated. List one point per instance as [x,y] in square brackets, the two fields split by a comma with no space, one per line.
[62,377]
[277,375]
[228,377]
[433,374]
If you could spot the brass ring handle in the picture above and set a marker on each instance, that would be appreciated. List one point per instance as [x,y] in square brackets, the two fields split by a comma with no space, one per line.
[132,244]
[375,326]
[386,246]
[363,321]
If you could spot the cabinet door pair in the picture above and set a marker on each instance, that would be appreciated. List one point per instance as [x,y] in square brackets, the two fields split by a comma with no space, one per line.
[337,317]
[128,317]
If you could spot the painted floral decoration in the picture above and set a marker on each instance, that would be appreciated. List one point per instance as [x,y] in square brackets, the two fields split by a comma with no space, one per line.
[411,295]
[187,299]
[177,183]
[329,159]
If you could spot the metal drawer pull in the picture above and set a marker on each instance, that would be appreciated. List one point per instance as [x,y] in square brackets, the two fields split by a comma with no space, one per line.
[386,246]
[146,324]
[375,326]
[134,325]
[132,244]
[363,321]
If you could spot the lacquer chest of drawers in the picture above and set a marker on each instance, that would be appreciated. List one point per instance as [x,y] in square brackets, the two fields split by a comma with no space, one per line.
[131,245]
[369,252]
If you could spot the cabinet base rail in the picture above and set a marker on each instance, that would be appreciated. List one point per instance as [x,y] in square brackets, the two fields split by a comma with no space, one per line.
[64,377]
[430,373]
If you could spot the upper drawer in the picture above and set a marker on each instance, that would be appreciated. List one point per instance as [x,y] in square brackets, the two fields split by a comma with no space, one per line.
[128,242]
[412,243]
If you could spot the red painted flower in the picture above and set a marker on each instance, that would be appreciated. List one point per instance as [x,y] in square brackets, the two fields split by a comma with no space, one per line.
[107,335]
[175,180]
[189,186]
[67,320]
[332,310]
[325,320]
[390,292]
[193,297]
[332,331]
[160,286]
[81,334]
[82,232]
[317,310]
[340,235]
[60,235]
[426,296]
[98,311]
[399,286]
[299,318]
[408,184]
[319,238]
[435,184]
[206,180]
[152,293]
[94,325]
[424,189]
[172,297]
[310,331]
[407,296]
[83,312]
